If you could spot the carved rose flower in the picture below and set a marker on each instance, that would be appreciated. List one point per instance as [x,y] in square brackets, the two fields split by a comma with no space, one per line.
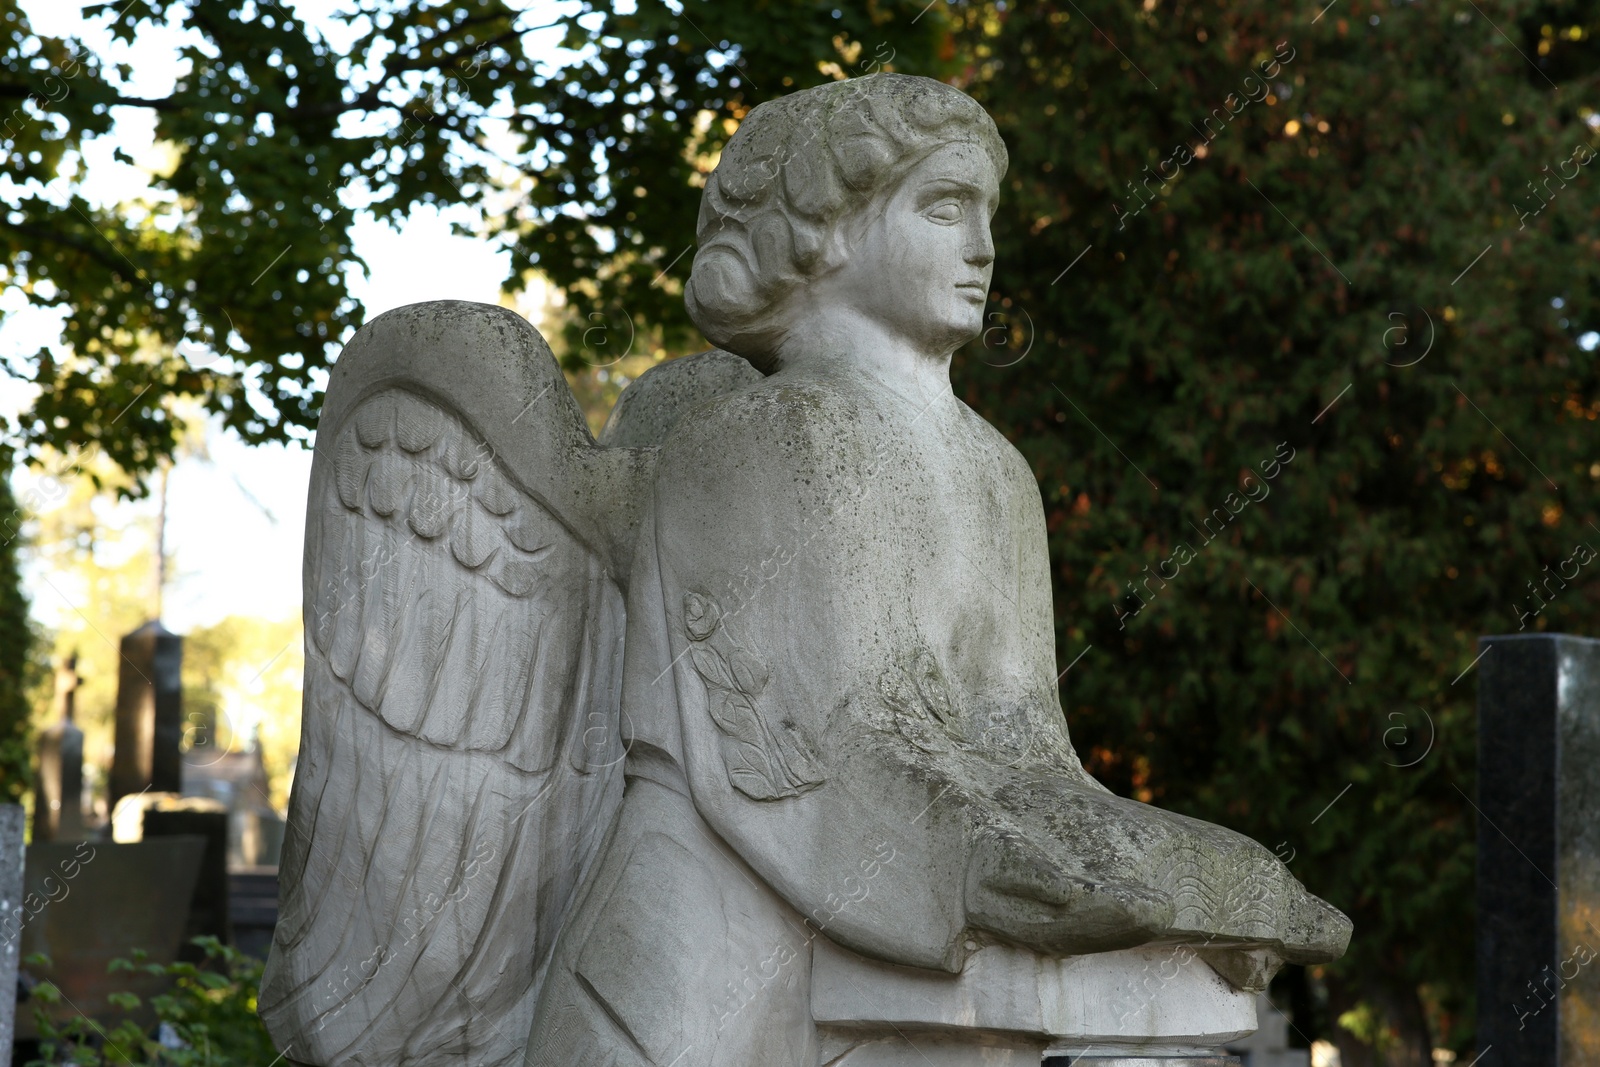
[701,614]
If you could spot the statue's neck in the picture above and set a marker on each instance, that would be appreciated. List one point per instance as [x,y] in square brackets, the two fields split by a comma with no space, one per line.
[829,343]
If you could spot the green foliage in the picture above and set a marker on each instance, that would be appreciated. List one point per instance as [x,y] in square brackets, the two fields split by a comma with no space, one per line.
[16,665]
[241,249]
[1309,655]
[210,1011]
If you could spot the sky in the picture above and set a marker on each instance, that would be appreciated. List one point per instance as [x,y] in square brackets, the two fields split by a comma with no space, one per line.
[235,518]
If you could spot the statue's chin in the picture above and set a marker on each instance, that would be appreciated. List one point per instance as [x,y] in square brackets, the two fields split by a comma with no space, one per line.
[961,331]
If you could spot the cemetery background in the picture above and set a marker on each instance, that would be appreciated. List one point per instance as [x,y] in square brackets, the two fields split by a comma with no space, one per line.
[1369,285]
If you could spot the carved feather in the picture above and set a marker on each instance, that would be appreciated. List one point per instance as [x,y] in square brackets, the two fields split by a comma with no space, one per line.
[436,834]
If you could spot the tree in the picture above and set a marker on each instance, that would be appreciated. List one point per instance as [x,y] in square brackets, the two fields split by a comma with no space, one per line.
[1331,346]
[275,133]
[100,583]
[17,668]
[1306,285]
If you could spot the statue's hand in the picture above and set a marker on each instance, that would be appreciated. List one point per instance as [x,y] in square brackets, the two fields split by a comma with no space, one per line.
[1015,890]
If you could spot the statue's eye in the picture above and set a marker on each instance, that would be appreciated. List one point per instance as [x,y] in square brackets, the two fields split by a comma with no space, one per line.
[945,211]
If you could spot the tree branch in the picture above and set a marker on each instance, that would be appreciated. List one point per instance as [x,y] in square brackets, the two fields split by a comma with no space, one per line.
[93,250]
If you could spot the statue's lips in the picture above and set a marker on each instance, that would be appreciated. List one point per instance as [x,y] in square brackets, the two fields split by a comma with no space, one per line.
[973,290]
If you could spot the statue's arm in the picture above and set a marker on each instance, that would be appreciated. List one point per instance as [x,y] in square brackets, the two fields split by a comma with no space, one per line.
[785,594]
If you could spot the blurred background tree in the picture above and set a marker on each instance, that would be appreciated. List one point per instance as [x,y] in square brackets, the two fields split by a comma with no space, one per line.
[1375,253]
[20,670]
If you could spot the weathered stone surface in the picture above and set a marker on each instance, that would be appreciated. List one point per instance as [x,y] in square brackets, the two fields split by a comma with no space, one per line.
[653,750]
[11,915]
[651,406]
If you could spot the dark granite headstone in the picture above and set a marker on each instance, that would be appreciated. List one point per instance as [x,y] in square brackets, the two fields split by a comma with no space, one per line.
[253,909]
[149,713]
[208,908]
[1539,850]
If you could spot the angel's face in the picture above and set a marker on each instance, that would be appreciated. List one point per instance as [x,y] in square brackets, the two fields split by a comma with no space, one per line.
[921,263]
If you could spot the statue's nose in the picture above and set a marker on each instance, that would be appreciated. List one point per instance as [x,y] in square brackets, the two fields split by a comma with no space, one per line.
[979,250]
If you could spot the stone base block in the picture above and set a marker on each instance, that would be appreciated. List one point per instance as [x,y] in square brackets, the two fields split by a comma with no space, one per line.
[1013,1008]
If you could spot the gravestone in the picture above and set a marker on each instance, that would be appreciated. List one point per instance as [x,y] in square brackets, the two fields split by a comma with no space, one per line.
[11,859]
[208,908]
[58,787]
[1539,850]
[253,909]
[149,713]
[91,902]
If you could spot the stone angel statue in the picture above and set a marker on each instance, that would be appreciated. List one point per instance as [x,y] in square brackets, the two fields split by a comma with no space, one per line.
[732,738]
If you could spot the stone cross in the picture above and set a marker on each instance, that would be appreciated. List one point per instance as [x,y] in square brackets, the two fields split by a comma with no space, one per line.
[58,789]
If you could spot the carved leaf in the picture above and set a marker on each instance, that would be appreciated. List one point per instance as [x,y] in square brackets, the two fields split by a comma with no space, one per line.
[932,685]
[749,672]
[799,760]
[763,762]
[736,716]
[897,691]
[748,772]
[920,701]
[708,663]
[926,735]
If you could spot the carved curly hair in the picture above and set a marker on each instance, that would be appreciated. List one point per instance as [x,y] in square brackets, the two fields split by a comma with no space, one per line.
[775,211]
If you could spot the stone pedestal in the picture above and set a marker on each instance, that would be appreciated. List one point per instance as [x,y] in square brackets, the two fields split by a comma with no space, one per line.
[1539,850]
[149,713]
[11,865]
[1148,1007]
[1269,1046]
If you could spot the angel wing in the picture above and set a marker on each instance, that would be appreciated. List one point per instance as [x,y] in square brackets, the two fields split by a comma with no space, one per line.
[460,760]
